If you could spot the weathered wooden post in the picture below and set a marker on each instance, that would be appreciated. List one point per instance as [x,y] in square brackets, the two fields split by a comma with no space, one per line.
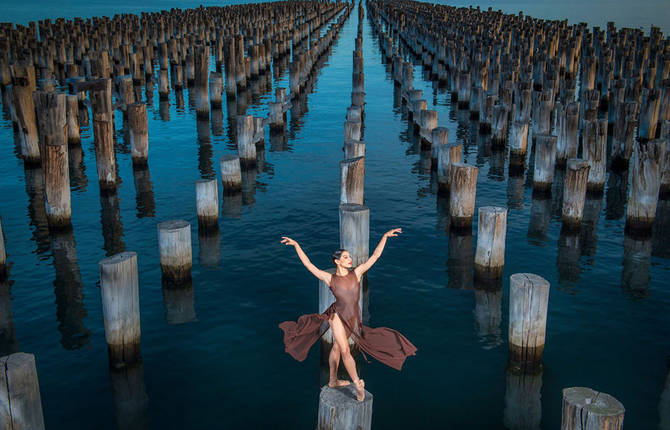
[545,159]
[427,122]
[231,174]
[645,185]
[594,151]
[499,125]
[567,128]
[353,149]
[50,108]
[491,234]
[649,110]
[447,155]
[72,115]
[103,130]
[587,409]
[339,409]
[24,108]
[529,297]
[352,130]
[574,192]
[139,133]
[20,400]
[518,142]
[438,137]
[207,204]
[245,140]
[355,231]
[352,180]
[202,81]
[215,90]
[462,191]
[174,245]
[119,287]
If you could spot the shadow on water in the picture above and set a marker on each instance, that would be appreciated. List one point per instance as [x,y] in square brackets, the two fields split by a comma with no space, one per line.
[9,344]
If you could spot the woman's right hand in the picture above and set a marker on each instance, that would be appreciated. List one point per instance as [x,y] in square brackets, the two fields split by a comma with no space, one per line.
[288,241]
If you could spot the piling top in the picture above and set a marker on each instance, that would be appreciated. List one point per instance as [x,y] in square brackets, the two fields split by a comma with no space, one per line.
[353,207]
[174,224]
[528,279]
[229,157]
[595,402]
[493,209]
[205,181]
[118,258]
[577,164]
[342,397]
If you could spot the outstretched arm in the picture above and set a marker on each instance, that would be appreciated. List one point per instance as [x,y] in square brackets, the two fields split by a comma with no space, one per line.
[378,252]
[322,275]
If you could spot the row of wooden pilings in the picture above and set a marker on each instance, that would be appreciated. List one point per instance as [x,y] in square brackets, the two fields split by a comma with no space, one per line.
[506,94]
[529,293]
[119,279]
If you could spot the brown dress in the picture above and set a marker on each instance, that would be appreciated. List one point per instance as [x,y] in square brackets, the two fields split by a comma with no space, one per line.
[385,344]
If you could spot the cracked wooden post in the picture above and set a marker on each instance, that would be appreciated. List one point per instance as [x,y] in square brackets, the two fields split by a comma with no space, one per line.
[103,131]
[588,409]
[594,150]
[574,192]
[201,81]
[339,409]
[352,130]
[462,192]
[438,136]
[72,115]
[645,185]
[138,129]
[20,400]
[119,288]
[207,204]
[174,245]
[24,109]
[231,174]
[355,231]
[491,234]
[545,159]
[518,142]
[499,125]
[567,129]
[50,108]
[529,297]
[126,95]
[447,156]
[352,180]
[245,140]
[353,149]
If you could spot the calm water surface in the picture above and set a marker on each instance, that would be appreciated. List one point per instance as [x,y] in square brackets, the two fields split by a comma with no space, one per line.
[608,323]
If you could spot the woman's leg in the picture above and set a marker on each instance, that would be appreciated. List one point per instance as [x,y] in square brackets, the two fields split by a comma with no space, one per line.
[340,337]
[334,362]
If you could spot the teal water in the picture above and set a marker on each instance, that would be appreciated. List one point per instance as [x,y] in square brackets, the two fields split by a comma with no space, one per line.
[608,323]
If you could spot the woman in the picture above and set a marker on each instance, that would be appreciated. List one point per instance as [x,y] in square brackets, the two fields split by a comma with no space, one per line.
[344,317]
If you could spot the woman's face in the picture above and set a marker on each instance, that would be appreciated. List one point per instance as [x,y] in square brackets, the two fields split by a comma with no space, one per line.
[345,259]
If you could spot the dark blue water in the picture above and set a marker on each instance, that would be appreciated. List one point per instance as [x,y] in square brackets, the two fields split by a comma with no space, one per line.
[608,323]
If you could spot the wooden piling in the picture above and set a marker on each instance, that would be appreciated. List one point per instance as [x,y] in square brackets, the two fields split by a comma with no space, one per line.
[119,288]
[202,81]
[339,409]
[103,131]
[490,253]
[462,191]
[529,297]
[215,89]
[447,156]
[245,140]
[355,231]
[645,185]
[574,192]
[50,108]
[545,158]
[20,400]
[352,180]
[231,174]
[352,130]
[207,204]
[427,121]
[174,245]
[353,149]
[587,409]
[138,129]
[594,151]
[568,127]
[24,108]
[438,136]
[72,116]
[518,141]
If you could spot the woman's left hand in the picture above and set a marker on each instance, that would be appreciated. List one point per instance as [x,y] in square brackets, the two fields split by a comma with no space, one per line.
[393,233]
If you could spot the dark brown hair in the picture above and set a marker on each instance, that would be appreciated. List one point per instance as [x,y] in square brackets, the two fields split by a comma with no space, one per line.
[337,254]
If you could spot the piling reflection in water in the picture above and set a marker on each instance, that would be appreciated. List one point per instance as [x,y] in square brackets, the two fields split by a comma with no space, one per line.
[589,228]
[144,192]
[636,265]
[34,177]
[497,164]
[557,188]
[661,229]
[617,194]
[179,101]
[488,313]
[178,301]
[515,186]
[164,110]
[569,253]
[209,248]
[664,405]
[68,287]
[112,228]
[540,216]
[205,150]
[279,141]
[77,169]
[460,262]
[130,397]
[523,400]
[217,122]
[9,344]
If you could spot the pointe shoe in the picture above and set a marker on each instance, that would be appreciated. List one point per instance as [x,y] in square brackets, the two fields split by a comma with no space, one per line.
[360,390]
